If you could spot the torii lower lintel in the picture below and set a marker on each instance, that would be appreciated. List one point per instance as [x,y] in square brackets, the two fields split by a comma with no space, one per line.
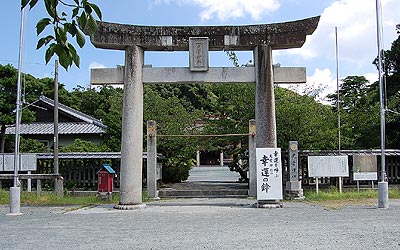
[165,75]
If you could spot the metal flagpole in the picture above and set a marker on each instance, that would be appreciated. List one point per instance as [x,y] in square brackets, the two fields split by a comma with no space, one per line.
[337,85]
[15,192]
[338,98]
[383,187]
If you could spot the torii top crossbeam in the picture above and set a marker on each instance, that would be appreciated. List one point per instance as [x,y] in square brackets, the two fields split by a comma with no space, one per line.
[176,38]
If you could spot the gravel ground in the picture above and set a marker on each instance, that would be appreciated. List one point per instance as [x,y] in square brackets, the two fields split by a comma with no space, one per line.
[203,224]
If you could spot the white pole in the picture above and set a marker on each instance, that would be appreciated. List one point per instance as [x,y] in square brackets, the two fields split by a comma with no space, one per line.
[383,188]
[15,192]
[338,99]
[338,86]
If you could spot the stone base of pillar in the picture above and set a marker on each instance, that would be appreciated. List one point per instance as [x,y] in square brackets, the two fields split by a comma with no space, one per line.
[130,207]
[268,204]
[15,201]
[59,186]
[383,194]
[294,191]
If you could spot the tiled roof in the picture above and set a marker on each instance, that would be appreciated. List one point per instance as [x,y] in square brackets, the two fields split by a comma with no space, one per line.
[39,128]
[73,112]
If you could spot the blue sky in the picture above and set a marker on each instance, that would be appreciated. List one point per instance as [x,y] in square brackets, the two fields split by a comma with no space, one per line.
[355,20]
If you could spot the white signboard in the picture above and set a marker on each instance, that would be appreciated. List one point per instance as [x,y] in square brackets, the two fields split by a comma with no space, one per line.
[27,162]
[365,168]
[269,174]
[8,162]
[373,176]
[328,166]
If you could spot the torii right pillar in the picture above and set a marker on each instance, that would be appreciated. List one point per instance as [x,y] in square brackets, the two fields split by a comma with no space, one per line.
[265,98]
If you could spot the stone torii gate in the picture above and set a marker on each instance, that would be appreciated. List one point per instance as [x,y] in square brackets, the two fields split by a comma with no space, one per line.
[134,40]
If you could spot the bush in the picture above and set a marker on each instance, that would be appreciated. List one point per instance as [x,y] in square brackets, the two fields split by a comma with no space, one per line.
[176,169]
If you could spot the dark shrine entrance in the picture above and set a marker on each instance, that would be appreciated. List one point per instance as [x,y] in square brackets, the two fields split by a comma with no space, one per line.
[210,158]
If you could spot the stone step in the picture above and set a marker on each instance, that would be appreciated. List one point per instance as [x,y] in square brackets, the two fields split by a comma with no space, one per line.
[204,189]
[232,193]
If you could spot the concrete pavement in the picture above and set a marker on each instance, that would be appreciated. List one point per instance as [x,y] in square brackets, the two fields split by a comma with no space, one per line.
[203,224]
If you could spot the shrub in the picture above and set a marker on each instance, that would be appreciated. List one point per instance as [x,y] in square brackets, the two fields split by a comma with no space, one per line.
[176,169]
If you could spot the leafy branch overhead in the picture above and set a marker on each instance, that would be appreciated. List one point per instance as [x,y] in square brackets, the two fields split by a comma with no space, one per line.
[81,17]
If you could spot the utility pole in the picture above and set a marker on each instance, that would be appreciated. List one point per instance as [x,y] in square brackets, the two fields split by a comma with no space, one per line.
[383,187]
[58,182]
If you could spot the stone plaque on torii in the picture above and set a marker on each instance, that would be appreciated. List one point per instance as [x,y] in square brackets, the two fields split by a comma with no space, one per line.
[134,40]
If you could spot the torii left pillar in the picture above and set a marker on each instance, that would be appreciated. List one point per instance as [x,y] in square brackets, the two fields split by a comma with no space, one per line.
[132,131]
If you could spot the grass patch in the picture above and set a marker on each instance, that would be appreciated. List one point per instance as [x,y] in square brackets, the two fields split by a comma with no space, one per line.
[333,194]
[49,199]
[334,200]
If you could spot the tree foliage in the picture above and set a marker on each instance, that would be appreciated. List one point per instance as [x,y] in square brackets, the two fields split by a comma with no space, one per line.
[303,119]
[29,145]
[360,105]
[80,145]
[67,19]
[32,88]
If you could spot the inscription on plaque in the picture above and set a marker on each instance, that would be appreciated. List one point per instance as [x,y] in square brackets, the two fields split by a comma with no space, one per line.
[198,53]
[294,160]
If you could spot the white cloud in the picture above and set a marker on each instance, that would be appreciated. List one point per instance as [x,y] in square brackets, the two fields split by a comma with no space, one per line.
[372,77]
[322,83]
[96,65]
[356,22]
[224,10]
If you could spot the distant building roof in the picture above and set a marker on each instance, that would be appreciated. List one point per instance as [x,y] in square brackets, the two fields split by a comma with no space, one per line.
[84,124]
[64,128]
[73,112]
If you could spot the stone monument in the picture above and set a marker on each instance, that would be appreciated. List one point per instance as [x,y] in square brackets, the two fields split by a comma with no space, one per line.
[293,186]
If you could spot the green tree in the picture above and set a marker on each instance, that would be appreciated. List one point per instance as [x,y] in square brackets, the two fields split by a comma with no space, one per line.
[69,19]
[29,145]
[32,88]
[8,97]
[359,102]
[177,110]
[80,145]
[302,118]
[392,92]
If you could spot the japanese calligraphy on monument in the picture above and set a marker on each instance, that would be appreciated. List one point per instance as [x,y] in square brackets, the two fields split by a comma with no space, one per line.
[198,53]
[269,174]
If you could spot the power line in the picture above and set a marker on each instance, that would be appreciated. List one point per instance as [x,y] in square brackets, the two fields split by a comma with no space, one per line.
[208,135]
[32,63]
